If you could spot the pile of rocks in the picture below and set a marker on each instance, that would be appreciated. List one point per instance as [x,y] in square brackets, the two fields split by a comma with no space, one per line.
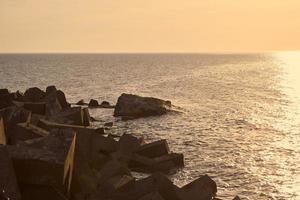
[49,150]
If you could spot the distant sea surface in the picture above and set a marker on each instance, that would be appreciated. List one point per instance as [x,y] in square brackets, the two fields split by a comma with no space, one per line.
[240,120]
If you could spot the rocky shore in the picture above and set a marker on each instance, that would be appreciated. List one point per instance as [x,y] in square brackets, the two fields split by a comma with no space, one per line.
[49,150]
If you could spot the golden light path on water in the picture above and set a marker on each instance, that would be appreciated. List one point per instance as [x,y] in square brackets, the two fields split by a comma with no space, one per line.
[289,161]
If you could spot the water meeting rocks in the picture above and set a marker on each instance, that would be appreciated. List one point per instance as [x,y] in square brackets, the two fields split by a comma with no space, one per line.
[133,106]
[50,151]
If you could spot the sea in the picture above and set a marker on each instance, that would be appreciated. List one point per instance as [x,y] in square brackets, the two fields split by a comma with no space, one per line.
[238,119]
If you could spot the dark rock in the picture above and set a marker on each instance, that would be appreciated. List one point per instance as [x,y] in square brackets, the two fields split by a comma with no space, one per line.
[14,115]
[2,132]
[106,104]
[62,99]
[5,98]
[34,94]
[36,107]
[50,89]
[48,161]
[91,150]
[4,91]
[129,143]
[81,102]
[48,125]
[25,131]
[129,105]
[86,118]
[204,188]
[237,198]
[109,124]
[152,196]
[8,183]
[156,183]
[118,183]
[74,116]
[38,192]
[154,149]
[93,103]
[165,163]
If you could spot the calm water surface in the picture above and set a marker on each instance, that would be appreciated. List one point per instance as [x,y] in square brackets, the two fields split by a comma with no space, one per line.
[240,120]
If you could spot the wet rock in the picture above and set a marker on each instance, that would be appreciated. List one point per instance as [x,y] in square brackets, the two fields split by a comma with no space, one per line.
[8,183]
[93,103]
[36,107]
[154,149]
[134,106]
[2,132]
[204,188]
[166,163]
[34,94]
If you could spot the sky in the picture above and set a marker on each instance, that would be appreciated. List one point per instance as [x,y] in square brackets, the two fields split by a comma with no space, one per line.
[149,25]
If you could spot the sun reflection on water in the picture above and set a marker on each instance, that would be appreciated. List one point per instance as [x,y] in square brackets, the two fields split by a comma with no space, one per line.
[289,145]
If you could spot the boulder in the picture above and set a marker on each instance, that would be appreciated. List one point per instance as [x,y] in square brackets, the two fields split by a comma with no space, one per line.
[165,163]
[152,196]
[134,106]
[81,102]
[108,124]
[25,131]
[36,107]
[34,94]
[118,183]
[38,192]
[8,183]
[53,106]
[46,162]
[4,91]
[129,143]
[154,149]
[50,90]
[73,116]
[86,118]
[204,188]
[156,183]
[5,98]
[106,104]
[62,99]
[48,125]
[2,132]
[93,103]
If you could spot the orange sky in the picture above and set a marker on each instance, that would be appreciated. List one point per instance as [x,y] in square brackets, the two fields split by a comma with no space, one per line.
[149,25]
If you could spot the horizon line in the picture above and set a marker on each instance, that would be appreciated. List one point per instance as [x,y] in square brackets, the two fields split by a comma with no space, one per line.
[158,52]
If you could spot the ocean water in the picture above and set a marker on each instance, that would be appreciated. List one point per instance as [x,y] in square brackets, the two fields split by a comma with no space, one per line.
[240,113]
